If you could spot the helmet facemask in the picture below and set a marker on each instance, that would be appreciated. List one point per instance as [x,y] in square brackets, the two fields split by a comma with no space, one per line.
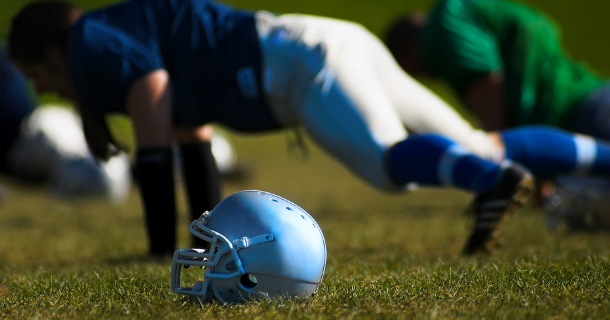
[220,261]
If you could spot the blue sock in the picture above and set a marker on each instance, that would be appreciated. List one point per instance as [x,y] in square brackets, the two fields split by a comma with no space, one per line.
[431,159]
[548,151]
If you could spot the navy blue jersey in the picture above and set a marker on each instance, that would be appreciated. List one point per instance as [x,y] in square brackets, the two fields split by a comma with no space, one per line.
[16,104]
[211,52]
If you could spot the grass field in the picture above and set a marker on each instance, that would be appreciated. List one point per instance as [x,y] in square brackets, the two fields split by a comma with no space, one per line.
[390,256]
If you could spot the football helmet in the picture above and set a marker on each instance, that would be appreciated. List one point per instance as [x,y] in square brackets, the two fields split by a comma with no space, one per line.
[260,245]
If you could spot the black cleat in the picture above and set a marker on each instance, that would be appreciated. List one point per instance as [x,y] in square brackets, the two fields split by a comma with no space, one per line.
[492,207]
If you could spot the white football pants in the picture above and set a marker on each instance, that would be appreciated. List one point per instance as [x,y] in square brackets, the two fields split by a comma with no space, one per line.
[340,82]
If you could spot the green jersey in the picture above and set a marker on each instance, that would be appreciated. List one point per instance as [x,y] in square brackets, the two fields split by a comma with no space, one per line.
[466,38]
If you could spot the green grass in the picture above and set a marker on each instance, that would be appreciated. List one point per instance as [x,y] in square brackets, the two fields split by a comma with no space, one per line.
[390,256]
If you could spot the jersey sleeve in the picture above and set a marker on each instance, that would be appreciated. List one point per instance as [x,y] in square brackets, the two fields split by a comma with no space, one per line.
[456,46]
[105,62]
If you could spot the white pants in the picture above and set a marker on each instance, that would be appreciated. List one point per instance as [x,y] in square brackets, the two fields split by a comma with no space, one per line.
[341,83]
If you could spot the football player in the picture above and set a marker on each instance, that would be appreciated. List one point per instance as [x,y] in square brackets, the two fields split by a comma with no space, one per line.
[505,61]
[175,65]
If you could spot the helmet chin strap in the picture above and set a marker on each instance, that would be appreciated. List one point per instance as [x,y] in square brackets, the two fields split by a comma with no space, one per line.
[246,242]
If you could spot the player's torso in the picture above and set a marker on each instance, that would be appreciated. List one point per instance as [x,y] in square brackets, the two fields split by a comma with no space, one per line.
[211,52]
[541,84]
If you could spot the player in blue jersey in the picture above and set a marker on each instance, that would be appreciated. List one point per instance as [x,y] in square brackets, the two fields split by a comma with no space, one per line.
[45,144]
[175,65]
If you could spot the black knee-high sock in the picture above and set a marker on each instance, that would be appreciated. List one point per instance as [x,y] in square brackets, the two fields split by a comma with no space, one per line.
[156,181]
[202,180]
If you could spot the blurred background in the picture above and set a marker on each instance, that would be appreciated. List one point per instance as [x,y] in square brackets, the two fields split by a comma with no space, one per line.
[319,184]
[584,24]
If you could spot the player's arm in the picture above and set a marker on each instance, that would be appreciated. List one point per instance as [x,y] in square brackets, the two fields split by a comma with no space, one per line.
[149,105]
[485,97]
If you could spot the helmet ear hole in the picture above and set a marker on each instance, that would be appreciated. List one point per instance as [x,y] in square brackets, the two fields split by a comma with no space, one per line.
[248,281]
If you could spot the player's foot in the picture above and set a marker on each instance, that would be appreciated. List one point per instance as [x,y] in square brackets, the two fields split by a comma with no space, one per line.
[492,207]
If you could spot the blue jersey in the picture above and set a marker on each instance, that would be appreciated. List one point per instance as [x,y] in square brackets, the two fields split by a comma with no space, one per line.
[211,52]
[16,104]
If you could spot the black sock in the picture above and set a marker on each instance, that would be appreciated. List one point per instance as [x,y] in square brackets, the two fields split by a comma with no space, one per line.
[156,181]
[202,180]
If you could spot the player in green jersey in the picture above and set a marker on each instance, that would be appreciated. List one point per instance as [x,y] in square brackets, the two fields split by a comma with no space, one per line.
[505,62]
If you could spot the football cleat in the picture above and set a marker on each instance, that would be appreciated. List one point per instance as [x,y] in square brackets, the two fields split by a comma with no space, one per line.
[492,207]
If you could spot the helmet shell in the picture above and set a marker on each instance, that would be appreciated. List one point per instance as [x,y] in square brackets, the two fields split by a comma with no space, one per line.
[291,264]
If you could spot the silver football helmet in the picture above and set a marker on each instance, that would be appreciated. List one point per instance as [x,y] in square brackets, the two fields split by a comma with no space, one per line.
[261,245]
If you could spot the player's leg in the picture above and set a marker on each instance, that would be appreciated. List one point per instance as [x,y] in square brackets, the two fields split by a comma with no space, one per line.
[156,183]
[311,78]
[434,160]
[419,108]
[199,171]
[332,114]
[548,151]
[556,154]
[427,159]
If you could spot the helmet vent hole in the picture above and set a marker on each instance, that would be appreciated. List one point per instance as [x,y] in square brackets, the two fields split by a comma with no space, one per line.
[274,200]
[248,281]
[303,217]
[288,208]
